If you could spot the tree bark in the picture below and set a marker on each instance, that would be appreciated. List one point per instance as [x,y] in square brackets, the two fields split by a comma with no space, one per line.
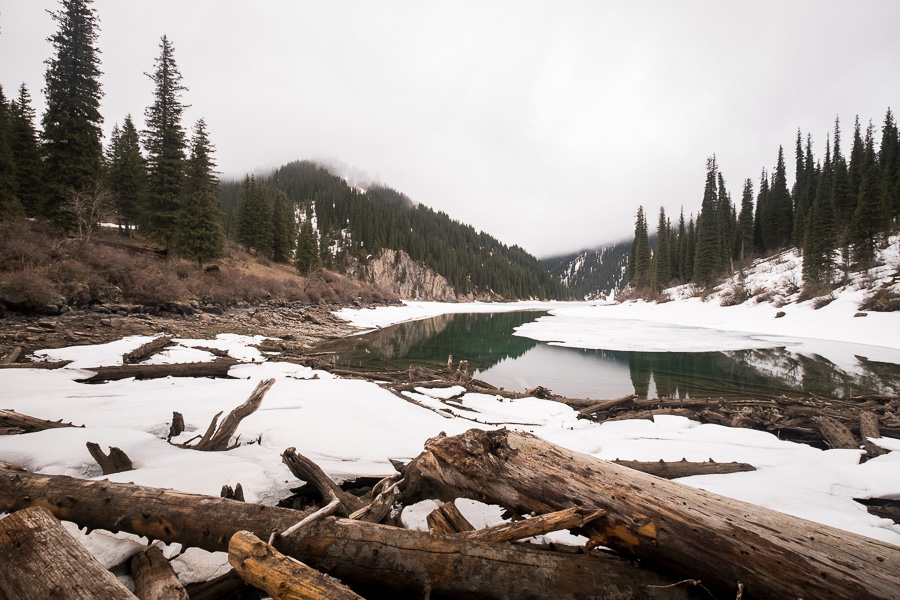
[870,428]
[280,576]
[835,433]
[215,368]
[154,577]
[684,530]
[217,440]
[12,357]
[308,471]
[540,525]
[353,551]
[36,365]
[229,586]
[147,350]
[676,469]
[16,421]
[41,560]
[116,462]
[447,519]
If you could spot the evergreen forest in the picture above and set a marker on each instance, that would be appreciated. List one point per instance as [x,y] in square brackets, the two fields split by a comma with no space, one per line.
[837,211]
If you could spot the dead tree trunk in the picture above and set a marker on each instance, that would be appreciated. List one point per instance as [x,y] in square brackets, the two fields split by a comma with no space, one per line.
[41,560]
[308,471]
[215,368]
[147,350]
[353,551]
[12,357]
[682,468]
[280,576]
[836,433]
[154,577]
[116,462]
[869,428]
[687,531]
[540,525]
[447,519]
[10,419]
[215,440]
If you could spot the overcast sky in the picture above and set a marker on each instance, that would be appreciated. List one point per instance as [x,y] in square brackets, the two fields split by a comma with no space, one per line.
[545,124]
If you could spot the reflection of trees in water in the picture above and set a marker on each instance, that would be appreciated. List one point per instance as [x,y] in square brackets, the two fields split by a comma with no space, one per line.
[763,372]
[482,339]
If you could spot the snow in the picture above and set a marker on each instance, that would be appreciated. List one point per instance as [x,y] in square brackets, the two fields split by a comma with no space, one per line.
[354,428]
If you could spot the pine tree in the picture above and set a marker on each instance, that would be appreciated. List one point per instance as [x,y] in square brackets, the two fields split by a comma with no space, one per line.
[198,227]
[889,162]
[708,259]
[745,223]
[869,218]
[164,139]
[801,191]
[727,223]
[253,218]
[660,267]
[841,190]
[639,258]
[10,207]
[284,228]
[821,237]
[680,272]
[777,224]
[25,147]
[762,207]
[307,255]
[71,124]
[857,158]
[126,174]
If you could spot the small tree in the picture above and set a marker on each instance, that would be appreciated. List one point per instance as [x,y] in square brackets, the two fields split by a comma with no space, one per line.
[307,256]
[199,233]
[88,210]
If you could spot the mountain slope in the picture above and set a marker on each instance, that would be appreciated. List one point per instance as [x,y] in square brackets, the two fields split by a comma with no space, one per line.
[592,274]
[354,227]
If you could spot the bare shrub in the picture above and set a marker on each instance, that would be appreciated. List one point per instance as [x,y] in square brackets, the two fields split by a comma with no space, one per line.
[29,288]
[883,300]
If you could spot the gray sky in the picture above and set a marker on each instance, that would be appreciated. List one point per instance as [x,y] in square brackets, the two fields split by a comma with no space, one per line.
[543,123]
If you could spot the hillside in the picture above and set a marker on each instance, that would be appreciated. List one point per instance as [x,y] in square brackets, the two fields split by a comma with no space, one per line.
[592,274]
[354,226]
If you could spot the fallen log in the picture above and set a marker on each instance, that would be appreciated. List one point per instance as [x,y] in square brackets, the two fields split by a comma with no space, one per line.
[835,433]
[48,365]
[870,428]
[114,462]
[215,368]
[147,350]
[280,576]
[308,471]
[12,357]
[447,519]
[13,420]
[218,439]
[41,560]
[154,577]
[229,586]
[682,468]
[540,525]
[687,531]
[353,551]
[607,405]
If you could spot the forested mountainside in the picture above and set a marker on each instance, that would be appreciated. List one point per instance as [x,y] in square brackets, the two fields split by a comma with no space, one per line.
[593,273]
[351,226]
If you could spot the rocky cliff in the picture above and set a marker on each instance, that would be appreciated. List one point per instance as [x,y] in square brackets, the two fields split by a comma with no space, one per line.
[395,271]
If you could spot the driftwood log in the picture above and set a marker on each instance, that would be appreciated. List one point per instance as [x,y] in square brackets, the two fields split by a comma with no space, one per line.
[541,525]
[280,576]
[687,531]
[229,586]
[12,357]
[39,560]
[447,519]
[147,350]
[218,439]
[870,428]
[215,368]
[47,365]
[353,551]
[114,462]
[308,471]
[683,468]
[13,421]
[154,577]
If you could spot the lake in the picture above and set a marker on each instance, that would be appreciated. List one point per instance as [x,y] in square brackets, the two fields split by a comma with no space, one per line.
[516,363]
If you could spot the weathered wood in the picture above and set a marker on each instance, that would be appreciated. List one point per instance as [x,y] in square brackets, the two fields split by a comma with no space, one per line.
[691,532]
[12,357]
[36,365]
[217,440]
[39,559]
[836,434]
[353,551]
[540,525]
[235,493]
[607,405]
[177,426]
[229,586]
[869,428]
[12,420]
[308,471]
[154,577]
[215,368]
[682,468]
[280,576]
[147,350]
[447,519]
[386,492]
[115,462]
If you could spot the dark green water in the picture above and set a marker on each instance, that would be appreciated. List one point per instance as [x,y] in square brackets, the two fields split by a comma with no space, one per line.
[517,363]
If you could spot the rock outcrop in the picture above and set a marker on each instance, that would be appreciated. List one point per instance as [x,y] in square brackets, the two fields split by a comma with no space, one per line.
[394,270]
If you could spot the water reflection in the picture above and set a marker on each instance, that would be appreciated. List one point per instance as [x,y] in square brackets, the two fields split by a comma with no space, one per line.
[517,363]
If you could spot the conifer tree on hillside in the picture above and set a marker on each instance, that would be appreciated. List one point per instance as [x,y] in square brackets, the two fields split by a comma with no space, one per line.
[25,147]
[660,267]
[871,216]
[708,257]
[727,223]
[198,226]
[71,123]
[678,250]
[639,258]
[821,237]
[10,207]
[855,166]
[745,223]
[126,174]
[762,207]
[284,228]
[307,258]
[253,218]
[841,190]
[777,224]
[889,161]
[165,142]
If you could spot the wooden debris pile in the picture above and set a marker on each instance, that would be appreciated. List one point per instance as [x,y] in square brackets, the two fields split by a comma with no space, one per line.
[664,540]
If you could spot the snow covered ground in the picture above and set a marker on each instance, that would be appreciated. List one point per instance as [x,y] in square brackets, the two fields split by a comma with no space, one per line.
[352,427]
